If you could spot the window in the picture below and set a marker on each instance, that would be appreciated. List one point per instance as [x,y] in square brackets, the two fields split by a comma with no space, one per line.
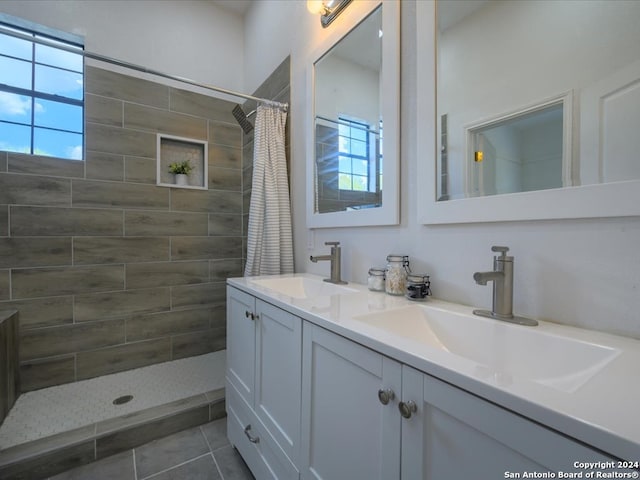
[41,93]
[359,156]
[353,159]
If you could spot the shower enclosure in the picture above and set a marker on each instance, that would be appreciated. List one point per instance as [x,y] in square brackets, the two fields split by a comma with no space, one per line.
[111,273]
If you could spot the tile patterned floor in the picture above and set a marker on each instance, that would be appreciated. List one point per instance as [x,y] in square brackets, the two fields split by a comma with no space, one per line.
[61,408]
[200,453]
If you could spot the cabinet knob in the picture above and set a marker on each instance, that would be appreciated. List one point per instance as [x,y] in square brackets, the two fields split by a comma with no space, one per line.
[385,395]
[251,438]
[407,408]
[250,315]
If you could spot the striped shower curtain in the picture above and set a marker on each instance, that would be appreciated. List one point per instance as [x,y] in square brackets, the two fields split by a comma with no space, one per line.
[269,237]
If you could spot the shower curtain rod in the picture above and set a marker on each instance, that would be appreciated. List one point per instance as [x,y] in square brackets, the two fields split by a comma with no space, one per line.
[139,68]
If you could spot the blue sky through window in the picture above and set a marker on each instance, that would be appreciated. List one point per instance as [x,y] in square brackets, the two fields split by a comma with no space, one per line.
[15,108]
[41,98]
[353,160]
[58,115]
[15,138]
[15,47]
[15,73]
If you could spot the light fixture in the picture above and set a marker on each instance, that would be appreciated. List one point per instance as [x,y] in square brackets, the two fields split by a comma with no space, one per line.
[328,9]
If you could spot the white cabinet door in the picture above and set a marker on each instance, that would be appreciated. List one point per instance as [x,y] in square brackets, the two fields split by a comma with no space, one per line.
[455,434]
[241,342]
[278,375]
[347,433]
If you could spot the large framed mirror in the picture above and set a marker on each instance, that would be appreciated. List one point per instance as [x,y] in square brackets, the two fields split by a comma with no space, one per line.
[353,165]
[535,114]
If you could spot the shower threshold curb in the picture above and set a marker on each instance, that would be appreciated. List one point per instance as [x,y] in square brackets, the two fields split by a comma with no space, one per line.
[54,454]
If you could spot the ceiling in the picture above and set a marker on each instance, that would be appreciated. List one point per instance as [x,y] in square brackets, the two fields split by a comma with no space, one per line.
[239,7]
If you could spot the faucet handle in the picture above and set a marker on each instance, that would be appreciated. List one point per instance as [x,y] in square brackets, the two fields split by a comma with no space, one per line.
[333,244]
[503,250]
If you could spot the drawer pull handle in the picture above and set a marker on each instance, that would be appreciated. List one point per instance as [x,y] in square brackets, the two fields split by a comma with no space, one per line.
[251,438]
[385,395]
[250,315]
[408,408]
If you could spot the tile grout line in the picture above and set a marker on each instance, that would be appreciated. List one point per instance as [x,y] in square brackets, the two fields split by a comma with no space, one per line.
[223,447]
[135,470]
[215,462]
[172,467]
[95,442]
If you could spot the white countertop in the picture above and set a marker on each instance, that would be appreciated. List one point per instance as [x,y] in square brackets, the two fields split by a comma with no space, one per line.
[601,412]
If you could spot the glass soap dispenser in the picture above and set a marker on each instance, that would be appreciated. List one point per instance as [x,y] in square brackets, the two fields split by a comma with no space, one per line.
[396,274]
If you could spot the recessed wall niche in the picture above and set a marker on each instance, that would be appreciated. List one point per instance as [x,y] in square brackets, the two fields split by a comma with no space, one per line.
[178,150]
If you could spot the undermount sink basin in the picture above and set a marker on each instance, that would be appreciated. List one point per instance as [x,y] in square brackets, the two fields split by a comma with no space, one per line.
[502,352]
[302,287]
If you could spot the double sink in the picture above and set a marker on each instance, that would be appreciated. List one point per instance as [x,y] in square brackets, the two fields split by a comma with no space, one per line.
[500,352]
[302,287]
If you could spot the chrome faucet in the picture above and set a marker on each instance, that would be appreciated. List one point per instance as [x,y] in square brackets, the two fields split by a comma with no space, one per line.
[334,257]
[502,278]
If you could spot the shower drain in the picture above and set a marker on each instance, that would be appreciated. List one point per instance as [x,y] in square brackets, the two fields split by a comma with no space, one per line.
[123,399]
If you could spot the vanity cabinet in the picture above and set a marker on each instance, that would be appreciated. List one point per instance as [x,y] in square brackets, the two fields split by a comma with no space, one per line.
[264,349]
[305,402]
[428,429]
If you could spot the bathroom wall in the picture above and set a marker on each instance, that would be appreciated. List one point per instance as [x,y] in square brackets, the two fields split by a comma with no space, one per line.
[342,86]
[577,272]
[189,38]
[109,271]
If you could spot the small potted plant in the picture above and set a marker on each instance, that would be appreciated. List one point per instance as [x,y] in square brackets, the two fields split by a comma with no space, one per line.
[181,170]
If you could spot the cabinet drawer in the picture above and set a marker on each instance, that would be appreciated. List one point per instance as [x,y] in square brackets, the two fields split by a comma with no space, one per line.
[263,456]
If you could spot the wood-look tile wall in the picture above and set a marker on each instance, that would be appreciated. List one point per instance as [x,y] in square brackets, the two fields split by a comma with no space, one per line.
[109,271]
[9,374]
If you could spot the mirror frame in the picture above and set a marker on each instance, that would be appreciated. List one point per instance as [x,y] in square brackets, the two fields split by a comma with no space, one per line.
[615,199]
[389,212]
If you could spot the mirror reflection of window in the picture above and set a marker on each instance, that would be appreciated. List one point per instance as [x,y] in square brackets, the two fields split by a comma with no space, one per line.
[495,58]
[348,165]
[519,154]
[348,147]
[354,168]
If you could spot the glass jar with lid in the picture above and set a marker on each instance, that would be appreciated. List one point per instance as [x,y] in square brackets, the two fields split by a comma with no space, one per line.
[418,286]
[396,274]
[375,280]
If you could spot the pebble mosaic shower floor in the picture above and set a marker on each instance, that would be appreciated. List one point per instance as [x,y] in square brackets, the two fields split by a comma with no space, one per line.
[57,409]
